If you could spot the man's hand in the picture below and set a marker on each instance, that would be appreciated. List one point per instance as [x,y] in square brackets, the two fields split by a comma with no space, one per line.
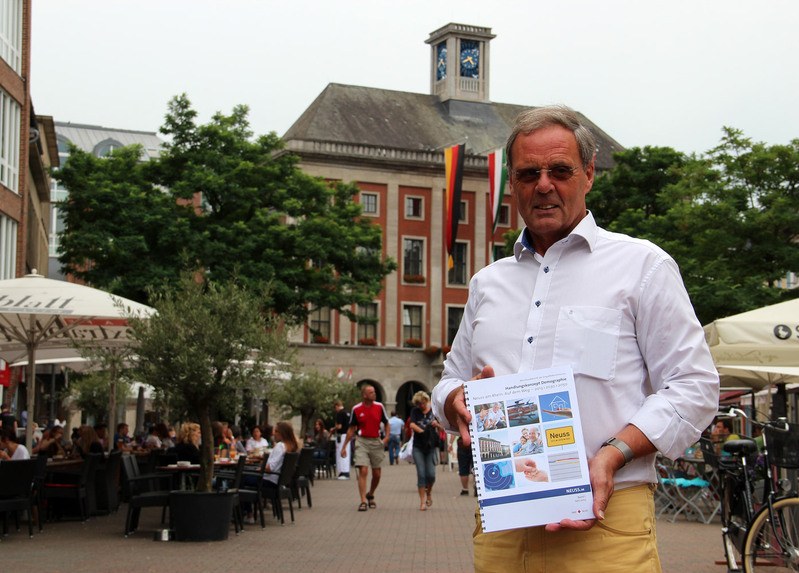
[601,468]
[344,451]
[455,409]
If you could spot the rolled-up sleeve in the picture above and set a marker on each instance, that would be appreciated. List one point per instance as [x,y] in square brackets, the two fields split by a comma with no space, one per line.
[684,381]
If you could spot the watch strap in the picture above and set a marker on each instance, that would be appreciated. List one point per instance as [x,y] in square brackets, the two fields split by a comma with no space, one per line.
[622,446]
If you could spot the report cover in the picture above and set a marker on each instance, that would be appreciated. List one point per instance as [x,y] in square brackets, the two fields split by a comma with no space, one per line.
[527,443]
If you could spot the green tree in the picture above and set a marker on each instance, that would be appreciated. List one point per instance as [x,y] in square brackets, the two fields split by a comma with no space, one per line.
[728,217]
[311,395]
[206,344]
[123,233]
[92,393]
[258,216]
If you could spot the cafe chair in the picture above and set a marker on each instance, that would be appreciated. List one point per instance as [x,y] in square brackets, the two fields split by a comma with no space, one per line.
[283,489]
[133,481]
[254,496]
[141,496]
[108,483]
[57,487]
[38,487]
[303,476]
[326,467]
[16,491]
[234,486]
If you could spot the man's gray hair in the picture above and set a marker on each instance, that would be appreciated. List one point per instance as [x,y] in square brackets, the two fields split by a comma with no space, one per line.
[536,118]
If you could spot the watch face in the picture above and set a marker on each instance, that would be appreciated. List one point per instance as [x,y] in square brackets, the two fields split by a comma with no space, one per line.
[441,61]
[470,59]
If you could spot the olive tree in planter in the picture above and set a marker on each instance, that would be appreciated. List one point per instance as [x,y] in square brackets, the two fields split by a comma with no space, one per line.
[205,343]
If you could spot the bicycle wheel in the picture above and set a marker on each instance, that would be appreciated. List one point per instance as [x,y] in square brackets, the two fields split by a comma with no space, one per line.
[774,546]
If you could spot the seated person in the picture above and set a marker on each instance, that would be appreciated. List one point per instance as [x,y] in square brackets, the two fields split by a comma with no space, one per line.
[122,439]
[320,439]
[187,448]
[10,449]
[52,443]
[87,443]
[153,441]
[257,444]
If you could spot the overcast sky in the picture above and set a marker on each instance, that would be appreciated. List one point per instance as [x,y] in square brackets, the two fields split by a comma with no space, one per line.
[669,73]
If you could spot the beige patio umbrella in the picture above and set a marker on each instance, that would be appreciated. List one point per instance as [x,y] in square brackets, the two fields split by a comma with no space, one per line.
[45,318]
[758,348]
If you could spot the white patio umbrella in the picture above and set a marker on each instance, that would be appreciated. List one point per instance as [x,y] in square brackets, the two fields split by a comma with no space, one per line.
[45,318]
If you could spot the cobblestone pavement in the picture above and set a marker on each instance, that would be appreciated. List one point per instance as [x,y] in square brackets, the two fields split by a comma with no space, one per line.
[331,537]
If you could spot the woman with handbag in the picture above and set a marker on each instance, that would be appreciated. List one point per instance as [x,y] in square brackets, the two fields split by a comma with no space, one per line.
[425,447]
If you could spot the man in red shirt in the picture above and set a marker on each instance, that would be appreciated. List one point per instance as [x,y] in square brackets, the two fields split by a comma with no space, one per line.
[366,418]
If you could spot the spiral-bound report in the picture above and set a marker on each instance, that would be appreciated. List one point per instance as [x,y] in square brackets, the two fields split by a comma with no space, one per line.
[530,464]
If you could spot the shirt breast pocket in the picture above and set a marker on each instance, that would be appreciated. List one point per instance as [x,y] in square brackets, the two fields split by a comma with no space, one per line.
[587,338]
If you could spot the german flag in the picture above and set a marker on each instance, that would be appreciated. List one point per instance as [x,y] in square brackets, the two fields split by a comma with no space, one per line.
[453,169]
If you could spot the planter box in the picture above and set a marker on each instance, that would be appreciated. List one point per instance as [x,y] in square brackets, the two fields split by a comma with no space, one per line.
[195,516]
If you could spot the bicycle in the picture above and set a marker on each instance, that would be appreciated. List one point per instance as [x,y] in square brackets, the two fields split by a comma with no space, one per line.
[755,537]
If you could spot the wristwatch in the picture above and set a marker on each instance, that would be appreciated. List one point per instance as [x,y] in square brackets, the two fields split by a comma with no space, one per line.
[625,450]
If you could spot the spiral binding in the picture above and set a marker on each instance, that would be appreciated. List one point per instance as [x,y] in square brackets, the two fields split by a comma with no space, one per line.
[476,461]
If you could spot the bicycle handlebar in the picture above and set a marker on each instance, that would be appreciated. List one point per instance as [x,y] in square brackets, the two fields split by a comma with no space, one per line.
[780,424]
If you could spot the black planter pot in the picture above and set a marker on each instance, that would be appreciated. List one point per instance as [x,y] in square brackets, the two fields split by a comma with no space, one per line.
[196,516]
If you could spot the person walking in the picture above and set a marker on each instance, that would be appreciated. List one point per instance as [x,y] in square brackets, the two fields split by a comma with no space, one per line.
[395,425]
[425,447]
[341,423]
[612,307]
[366,419]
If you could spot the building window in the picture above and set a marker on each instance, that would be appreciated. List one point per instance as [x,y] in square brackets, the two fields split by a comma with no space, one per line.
[458,274]
[105,147]
[11,33]
[504,216]
[454,317]
[498,252]
[369,203]
[412,267]
[367,324]
[8,247]
[9,141]
[319,323]
[413,207]
[412,326]
[462,215]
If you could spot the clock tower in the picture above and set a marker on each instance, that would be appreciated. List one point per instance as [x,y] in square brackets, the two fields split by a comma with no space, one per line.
[459,58]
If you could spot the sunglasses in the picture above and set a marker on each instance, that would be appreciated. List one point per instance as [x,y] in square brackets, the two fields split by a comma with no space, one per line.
[532,175]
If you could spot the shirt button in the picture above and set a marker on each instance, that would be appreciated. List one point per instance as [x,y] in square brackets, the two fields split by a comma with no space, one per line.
[538,303]
[530,339]
[546,269]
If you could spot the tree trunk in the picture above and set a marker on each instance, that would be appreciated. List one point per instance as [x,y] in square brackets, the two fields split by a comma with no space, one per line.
[206,449]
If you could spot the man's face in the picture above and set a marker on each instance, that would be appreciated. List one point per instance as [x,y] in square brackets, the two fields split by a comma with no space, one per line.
[123,431]
[368,393]
[495,408]
[550,208]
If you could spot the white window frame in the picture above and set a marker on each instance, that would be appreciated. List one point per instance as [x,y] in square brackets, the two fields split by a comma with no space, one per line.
[463,216]
[422,263]
[423,309]
[448,308]
[11,33]
[408,199]
[375,326]
[504,216]
[8,247]
[10,118]
[376,196]
[465,283]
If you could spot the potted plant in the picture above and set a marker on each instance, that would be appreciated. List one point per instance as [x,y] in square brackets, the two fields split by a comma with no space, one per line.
[320,339]
[367,341]
[413,343]
[431,351]
[205,343]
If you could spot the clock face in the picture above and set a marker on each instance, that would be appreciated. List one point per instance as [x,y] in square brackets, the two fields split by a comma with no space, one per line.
[441,61]
[469,59]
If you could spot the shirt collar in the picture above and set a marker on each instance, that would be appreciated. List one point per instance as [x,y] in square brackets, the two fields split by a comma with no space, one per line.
[586,229]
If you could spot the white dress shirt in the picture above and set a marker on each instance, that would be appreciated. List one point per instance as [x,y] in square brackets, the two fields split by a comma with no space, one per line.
[616,310]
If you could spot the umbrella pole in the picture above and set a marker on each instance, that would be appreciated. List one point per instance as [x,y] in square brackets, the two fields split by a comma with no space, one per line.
[31,387]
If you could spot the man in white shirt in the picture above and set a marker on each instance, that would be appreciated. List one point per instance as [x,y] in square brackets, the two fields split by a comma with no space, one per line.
[612,307]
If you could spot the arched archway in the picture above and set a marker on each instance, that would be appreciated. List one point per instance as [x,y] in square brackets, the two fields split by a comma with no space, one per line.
[405,395]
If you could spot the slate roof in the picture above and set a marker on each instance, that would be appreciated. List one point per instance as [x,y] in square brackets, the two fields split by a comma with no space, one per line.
[356,115]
